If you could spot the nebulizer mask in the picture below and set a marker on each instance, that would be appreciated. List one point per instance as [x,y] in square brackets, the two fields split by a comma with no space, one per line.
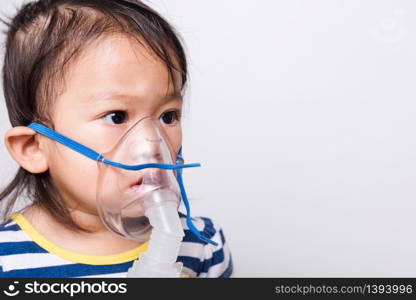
[139,190]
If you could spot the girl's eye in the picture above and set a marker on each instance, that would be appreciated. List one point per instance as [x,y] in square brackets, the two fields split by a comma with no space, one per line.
[170,117]
[115,117]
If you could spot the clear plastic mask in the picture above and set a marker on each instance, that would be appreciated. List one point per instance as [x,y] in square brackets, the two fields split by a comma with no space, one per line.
[122,195]
[138,173]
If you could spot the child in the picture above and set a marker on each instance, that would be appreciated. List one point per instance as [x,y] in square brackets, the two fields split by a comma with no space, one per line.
[87,69]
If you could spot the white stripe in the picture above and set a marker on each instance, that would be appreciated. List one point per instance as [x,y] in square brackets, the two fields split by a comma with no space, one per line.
[10,224]
[198,223]
[216,238]
[217,270]
[192,249]
[198,250]
[13,236]
[31,260]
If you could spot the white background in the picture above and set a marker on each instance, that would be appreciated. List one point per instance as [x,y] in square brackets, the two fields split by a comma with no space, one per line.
[303,116]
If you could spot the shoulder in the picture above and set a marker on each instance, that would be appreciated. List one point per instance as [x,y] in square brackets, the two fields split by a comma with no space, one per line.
[16,249]
[10,235]
[201,259]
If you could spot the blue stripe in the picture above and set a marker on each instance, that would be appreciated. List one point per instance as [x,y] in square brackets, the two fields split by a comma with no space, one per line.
[192,238]
[14,227]
[217,258]
[190,262]
[208,224]
[10,248]
[222,237]
[182,215]
[208,231]
[73,270]
[199,266]
[227,273]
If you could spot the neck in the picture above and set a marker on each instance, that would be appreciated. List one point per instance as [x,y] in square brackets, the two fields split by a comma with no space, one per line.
[100,241]
[88,221]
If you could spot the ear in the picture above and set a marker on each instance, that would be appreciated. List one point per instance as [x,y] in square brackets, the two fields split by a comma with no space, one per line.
[24,146]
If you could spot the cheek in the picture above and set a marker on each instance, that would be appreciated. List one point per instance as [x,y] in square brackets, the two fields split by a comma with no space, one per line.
[75,177]
[174,138]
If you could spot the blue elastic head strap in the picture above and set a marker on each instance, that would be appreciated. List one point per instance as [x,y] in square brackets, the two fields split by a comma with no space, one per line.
[39,128]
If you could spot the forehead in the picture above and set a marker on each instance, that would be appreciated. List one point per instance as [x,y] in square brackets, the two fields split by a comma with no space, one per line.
[116,64]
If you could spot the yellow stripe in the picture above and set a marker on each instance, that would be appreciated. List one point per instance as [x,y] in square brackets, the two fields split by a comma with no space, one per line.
[73,256]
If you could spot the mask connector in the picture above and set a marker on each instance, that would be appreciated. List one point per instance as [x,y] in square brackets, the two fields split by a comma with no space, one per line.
[160,258]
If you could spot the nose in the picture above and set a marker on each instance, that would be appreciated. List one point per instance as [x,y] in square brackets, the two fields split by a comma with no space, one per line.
[152,156]
[154,177]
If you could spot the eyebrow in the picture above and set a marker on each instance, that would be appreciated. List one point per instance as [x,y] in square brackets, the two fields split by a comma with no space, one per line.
[115,96]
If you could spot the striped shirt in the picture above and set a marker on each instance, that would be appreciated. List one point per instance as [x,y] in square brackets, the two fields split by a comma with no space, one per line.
[24,252]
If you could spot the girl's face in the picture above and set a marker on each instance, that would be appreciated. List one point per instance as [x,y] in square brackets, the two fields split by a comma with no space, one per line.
[114,83]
